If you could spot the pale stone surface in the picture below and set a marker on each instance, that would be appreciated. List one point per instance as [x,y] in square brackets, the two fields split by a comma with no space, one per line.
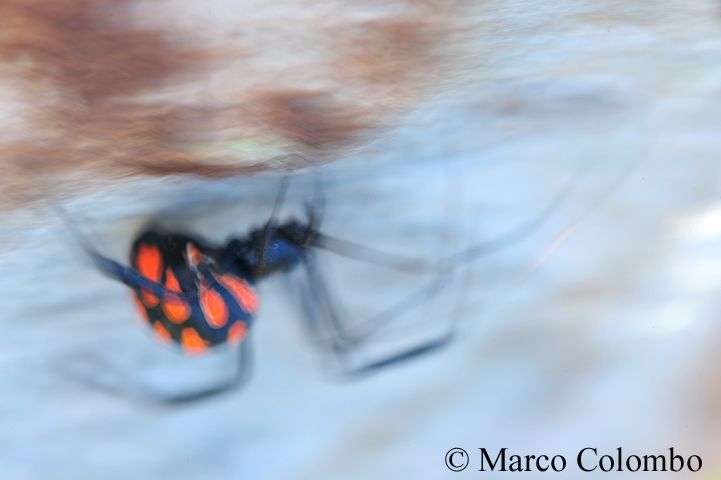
[599,330]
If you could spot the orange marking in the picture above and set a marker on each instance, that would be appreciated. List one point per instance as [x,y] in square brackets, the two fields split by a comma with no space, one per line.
[149,263]
[141,308]
[193,255]
[192,343]
[161,333]
[171,281]
[149,299]
[176,309]
[242,291]
[237,332]
[213,306]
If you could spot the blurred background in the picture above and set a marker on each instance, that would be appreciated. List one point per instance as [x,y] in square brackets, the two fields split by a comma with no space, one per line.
[436,125]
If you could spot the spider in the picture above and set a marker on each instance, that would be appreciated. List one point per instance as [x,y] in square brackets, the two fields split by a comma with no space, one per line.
[198,296]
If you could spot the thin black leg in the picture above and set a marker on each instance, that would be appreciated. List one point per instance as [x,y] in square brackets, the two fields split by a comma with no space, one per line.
[325,322]
[120,383]
[270,225]
[315,209]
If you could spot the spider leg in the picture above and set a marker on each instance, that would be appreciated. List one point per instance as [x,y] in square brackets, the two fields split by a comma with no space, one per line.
[271,224]
[315,208]
[322,316]
[326,325]
[428,346]
[128,275]
[242,374]
[117,382]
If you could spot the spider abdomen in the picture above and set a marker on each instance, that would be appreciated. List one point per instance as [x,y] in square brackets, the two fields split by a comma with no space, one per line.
[195,311]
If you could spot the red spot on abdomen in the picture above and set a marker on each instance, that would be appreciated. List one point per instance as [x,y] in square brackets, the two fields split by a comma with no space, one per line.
[193,255]
[149,262]
[237,332]
[242,291]
[214,308]
[192,343]
[176,309]
[161,333]
[141,308]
